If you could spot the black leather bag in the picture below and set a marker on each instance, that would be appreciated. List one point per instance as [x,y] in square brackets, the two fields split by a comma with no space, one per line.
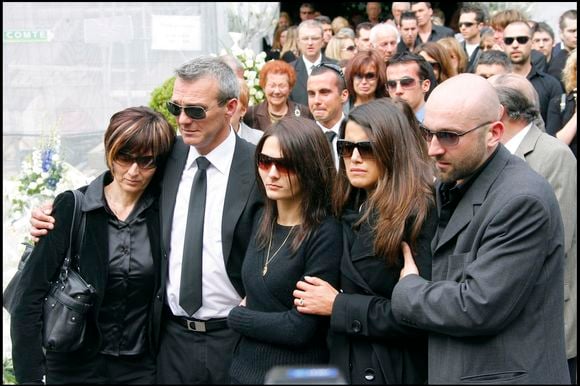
[70,297]
[9,296]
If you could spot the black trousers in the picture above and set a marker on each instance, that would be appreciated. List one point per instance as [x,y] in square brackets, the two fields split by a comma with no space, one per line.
[572,363]
[189,357]
[73,368]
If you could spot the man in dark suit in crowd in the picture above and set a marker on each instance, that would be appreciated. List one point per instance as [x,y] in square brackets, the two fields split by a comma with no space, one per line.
[310,44]
[494,308]
[428,32]
[568,24]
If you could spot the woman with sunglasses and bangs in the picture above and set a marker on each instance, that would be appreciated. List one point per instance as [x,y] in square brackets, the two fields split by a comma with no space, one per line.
[295,236]
[366,76]
[384,195]
[120,256]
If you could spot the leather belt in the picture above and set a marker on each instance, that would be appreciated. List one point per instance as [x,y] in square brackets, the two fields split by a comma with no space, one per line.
[200,325]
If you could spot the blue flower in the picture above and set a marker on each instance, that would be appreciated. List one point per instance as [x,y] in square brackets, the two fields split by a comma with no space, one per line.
[47,160]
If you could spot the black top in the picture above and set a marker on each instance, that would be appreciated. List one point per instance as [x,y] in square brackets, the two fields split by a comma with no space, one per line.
[130,284]
[547,87]
[272,331]
[559,115]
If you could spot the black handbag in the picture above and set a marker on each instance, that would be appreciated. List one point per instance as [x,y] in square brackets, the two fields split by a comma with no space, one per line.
[9,295]
[70,297]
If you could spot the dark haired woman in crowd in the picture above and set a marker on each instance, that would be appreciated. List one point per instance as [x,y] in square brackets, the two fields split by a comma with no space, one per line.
[384,195]
[120,257]
[296,236]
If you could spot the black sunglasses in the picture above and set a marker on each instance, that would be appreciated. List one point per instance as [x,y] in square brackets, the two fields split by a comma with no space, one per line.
[194,112]
[447,138]
[144,162]
[520,39]
[332,66]
[436,66]
[349,48]
[406,83]
[468,24]
[345,148]
[265,163]
[368,76]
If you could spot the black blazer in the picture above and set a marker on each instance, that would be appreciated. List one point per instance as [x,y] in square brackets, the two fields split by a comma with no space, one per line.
[299,93]
[45,262]
[364,331]
[242,202]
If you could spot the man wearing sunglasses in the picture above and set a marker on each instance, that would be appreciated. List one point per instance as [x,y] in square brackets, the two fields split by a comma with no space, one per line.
[408,79]
[310,35]
[195,344]
[517,38]
[552,159]
[494,305]
[471,21]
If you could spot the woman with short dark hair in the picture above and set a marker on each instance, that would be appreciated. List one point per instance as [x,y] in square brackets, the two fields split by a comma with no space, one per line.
[120,257]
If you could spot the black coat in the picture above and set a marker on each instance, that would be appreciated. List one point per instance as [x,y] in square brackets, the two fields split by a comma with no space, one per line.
[366,342]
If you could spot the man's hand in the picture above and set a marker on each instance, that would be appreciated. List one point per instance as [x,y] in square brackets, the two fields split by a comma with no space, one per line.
[410,267]
[41,221]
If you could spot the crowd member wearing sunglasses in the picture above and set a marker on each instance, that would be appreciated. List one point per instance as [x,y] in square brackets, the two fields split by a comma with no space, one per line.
[494,306]
[366,76]
[120,257]
[203,245]
[438,58]
[296,235]
[471,22]
[384,195]
[410,78]
[517,38]
[341,48]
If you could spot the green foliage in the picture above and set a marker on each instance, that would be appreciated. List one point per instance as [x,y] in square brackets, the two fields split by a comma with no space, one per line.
[161,95]
[8,377]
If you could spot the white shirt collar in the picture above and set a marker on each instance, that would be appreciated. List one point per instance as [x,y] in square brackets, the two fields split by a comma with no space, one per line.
[515,142]
[335,128]
[310,64]
[221,157]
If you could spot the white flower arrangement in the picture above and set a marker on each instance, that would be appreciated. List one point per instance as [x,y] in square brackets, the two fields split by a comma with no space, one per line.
[252,64]
[43,175]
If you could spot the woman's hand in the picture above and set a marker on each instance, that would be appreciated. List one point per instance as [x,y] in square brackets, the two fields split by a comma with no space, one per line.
[314,296]
[409,268]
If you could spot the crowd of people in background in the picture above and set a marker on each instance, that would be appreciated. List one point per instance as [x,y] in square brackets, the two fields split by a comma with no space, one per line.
[409,194]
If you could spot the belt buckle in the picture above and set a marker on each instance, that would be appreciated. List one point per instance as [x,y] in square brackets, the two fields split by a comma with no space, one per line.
[194,325]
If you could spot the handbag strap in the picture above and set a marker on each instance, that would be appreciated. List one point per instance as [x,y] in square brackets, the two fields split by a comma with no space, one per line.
[77,234]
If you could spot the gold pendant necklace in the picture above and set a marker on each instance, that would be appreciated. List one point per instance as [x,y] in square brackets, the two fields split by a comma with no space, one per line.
[270,258]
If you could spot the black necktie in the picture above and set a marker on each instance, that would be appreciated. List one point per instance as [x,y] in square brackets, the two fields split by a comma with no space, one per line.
[190,291]
[330,136]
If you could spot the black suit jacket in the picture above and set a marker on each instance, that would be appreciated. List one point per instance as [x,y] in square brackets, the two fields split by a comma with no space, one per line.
[242,202]
[299,93]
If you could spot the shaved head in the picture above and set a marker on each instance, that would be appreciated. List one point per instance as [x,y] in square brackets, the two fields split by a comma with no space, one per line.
[467,93]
